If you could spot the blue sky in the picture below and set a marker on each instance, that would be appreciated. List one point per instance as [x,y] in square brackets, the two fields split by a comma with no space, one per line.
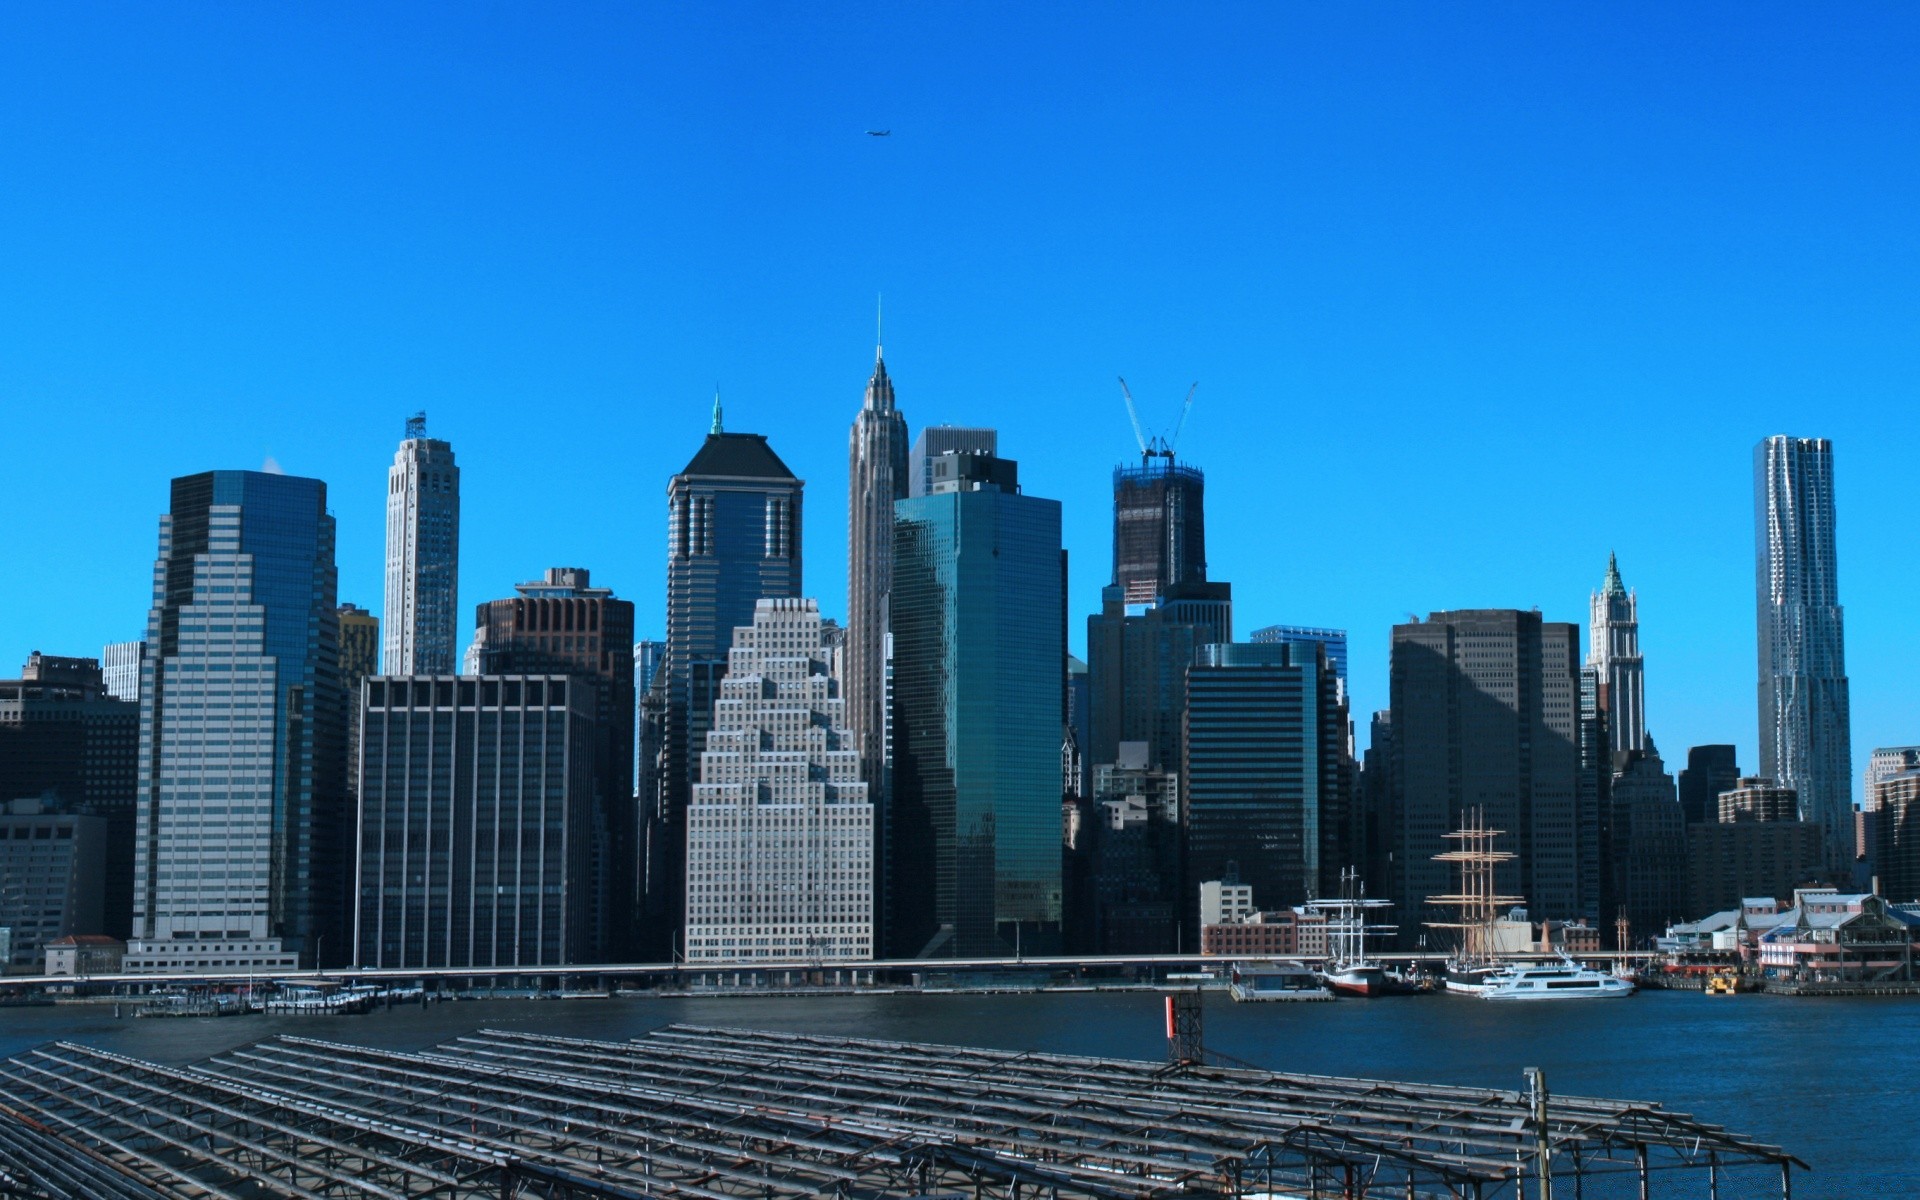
[1474,293]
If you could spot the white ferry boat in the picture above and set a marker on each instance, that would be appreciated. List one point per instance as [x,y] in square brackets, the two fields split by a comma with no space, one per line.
[1564,980]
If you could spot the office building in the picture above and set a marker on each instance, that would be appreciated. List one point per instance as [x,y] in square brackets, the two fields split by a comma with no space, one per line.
[1753,845]
[1647,849]
[359,647]
[1887,761]
[647,659]
[560,624]
[1710,770]
[1614,651]
[1757,798]
[423,555]
[733,538]
[1159,526]
[1335,641]
[476,826]
[979,656]
[876,478]
[1137,659]
[120,669]
[1267,779]
[241,856]
[1896,820]
[1485,712]
[1131,903]
[66,742]
[52,878]
[938,440]
[1805,740]
[780,830]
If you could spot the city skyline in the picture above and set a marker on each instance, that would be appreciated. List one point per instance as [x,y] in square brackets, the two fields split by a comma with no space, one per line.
[1570,250]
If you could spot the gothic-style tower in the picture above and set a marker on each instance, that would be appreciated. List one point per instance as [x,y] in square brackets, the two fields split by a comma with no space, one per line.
[876,477]
[1614,651]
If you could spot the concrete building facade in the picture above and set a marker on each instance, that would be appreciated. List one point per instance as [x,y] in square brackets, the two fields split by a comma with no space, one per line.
[423,556]
[780,830]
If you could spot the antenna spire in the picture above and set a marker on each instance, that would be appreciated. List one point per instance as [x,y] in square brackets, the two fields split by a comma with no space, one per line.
[716,411]
[879,324]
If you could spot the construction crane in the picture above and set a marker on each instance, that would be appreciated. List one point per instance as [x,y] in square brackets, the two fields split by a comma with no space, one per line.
[1156,446]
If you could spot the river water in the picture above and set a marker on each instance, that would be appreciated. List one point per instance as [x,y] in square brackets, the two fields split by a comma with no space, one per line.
[1836,1082]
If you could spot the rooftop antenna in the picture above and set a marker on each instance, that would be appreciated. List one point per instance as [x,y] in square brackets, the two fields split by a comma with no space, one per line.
[879,324]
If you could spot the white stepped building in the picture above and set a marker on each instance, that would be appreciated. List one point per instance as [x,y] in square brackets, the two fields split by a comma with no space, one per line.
[780,830]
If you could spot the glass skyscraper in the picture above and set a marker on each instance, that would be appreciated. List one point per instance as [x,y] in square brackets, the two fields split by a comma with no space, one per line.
[1805,737]
[733,539]
[979,656]
[241,805]
[1267,777]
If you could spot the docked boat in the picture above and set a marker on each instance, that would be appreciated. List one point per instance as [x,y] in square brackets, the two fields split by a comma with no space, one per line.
[1348,970]
[1276,981]
[1470,978]
[1564,980]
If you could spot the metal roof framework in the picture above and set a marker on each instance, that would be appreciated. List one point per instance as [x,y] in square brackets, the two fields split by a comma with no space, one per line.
[715,1114]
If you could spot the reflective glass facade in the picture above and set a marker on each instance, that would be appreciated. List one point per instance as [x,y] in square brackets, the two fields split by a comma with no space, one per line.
[733,537]
[241,812]
[1805,733]
[979,652]
[1267,778]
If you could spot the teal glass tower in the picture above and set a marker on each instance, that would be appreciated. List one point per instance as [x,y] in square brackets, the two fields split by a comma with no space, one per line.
[979,646]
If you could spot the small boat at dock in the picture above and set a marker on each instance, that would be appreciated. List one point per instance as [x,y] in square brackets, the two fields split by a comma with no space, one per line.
[1276,981]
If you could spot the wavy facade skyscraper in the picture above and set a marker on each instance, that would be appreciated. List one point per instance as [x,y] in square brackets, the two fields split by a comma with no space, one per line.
[1805,735]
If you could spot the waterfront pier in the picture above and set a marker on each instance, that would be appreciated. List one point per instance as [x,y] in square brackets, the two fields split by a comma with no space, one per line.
[728,1114]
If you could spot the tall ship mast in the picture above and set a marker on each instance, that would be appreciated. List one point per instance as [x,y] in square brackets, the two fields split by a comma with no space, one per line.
[1477,901]
[1348,969]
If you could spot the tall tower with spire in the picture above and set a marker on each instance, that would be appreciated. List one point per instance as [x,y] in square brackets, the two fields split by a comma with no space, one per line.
[876,477]
[1614,654]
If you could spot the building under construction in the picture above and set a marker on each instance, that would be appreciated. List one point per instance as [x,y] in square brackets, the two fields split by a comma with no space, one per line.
[1159,516]
[717,1114]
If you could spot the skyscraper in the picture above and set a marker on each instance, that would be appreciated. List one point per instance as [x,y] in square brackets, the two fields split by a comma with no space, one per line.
[241,804]
[733,538]
[1614,651]
[1710,770]
[780,830]
[1159,526]
[423,555]
[1486,716]
[1137,661]
[1268,781]
[1335,640]
[979,656]
[120,668]
[67,743]
[559,624]
[876,477]
[936,440]
[1805,738]
[476,832]
[359,648]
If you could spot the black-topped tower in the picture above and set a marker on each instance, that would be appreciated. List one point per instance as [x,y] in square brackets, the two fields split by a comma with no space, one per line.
[733,530]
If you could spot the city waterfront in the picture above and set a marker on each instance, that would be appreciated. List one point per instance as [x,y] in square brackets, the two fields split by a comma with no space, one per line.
[1788,1071]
